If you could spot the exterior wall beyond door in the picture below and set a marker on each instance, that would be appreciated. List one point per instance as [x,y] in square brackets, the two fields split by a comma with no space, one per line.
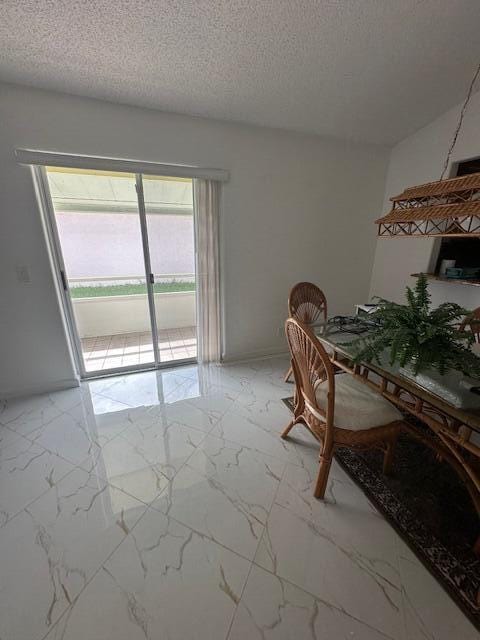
[129,314]
[97,244]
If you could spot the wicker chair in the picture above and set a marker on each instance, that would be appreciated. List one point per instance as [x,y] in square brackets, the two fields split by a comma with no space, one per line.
[472,323]
[338,410]
[308,304]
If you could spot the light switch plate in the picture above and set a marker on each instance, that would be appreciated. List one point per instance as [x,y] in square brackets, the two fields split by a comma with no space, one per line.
[23,274]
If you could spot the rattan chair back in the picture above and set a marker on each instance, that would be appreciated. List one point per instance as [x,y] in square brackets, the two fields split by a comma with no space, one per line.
[311,365]
[307,303]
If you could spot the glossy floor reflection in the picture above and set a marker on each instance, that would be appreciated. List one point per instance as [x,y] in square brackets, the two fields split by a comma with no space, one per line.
[165,505]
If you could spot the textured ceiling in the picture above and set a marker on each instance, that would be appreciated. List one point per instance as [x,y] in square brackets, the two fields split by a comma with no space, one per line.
[370,70]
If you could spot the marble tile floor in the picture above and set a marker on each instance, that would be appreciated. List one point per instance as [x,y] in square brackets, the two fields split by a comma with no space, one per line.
[164,505]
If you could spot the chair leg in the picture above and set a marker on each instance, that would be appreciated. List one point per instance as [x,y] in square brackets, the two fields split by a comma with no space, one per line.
[388,456]
[288,428]
[323,473]
[289,373]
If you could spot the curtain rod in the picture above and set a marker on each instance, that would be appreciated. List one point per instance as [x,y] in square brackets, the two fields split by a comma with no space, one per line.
[52,159]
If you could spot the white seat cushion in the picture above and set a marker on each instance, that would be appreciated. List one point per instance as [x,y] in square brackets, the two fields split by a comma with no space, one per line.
[357,407]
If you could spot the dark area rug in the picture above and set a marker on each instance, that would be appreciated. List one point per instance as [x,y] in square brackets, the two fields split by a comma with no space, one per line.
[427,504]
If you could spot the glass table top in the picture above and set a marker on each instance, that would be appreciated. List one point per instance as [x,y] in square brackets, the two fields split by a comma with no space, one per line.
[452,389]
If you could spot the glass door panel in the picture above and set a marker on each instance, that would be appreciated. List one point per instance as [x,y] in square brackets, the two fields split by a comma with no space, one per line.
[99,232]
[170,225]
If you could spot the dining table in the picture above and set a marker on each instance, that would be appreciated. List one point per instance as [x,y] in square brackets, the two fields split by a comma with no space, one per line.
[445,409]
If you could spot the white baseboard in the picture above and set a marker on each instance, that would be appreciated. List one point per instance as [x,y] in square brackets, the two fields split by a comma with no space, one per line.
[259,354]
[57,385]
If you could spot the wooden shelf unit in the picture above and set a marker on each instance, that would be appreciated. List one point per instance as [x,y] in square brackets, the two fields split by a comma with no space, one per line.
[432,276]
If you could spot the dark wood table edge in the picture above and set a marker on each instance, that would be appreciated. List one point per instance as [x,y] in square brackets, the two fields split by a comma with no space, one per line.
[451,427]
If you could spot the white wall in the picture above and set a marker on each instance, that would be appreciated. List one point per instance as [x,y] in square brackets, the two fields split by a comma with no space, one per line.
[297,207]
[418,159]
[105,316]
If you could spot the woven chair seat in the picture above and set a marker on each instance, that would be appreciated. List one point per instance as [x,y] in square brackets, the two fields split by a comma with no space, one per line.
[338,410]
[357,407]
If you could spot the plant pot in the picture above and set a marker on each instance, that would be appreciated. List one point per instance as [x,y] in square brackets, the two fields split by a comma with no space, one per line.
[448,386]
[409,370]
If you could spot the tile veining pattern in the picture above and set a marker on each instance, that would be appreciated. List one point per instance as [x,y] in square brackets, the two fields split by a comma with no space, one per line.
[164,505]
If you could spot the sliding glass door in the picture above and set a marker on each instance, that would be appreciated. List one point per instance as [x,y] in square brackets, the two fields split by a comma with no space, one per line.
[169,220]
[126,266]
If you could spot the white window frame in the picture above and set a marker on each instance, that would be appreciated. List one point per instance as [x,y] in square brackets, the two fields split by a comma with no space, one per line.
[38,162]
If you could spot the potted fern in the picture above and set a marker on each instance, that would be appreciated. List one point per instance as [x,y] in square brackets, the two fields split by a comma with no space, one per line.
[418,337]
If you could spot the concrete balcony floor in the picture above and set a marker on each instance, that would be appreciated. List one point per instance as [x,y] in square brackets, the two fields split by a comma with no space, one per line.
[128,349]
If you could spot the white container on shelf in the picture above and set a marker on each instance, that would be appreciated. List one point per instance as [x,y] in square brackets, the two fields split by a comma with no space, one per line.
[446,264]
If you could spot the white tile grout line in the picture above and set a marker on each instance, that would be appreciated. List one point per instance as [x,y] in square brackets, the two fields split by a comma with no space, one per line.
[252,562]
[148,506]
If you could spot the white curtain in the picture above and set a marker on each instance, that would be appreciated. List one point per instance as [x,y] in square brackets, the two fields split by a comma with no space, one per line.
[206,196]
